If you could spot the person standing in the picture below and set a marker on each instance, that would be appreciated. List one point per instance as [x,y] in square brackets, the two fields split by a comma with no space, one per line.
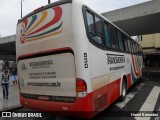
[14,74]
[5,84]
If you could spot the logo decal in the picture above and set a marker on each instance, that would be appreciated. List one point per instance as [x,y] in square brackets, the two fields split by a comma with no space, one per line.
[33,28]
[23,38]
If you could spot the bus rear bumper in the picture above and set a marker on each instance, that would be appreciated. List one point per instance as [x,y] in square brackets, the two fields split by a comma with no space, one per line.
[82,107]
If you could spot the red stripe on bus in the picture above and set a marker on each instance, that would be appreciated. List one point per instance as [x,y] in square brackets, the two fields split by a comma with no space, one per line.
[57,17]
[83,107]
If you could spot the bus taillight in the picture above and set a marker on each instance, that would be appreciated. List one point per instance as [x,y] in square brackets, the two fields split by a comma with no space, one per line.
[81,88]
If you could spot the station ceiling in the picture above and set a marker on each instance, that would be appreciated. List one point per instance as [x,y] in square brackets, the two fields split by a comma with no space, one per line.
[140,19]
[141,26]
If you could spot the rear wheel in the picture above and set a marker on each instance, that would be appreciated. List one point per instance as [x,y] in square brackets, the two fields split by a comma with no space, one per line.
[123,91]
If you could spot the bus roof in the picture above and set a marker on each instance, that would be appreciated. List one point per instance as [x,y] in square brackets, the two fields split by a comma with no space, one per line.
[60,2]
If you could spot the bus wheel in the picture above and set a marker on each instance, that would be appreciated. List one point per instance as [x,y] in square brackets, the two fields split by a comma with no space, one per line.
[124,91]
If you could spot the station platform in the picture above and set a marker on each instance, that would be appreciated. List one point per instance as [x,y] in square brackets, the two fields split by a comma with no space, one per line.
[13,99]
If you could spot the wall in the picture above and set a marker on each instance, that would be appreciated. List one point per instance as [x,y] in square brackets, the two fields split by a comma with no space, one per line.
[150,41]
[157,40]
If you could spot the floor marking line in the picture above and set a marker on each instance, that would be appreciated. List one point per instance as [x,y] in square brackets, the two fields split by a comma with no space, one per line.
[150,102]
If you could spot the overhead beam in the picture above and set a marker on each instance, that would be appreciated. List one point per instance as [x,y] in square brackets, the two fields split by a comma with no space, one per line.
[137,19]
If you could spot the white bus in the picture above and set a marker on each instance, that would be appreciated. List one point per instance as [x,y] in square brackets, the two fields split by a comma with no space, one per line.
[73,61]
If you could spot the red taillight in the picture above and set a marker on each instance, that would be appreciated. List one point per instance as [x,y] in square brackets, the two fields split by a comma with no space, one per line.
[81,85]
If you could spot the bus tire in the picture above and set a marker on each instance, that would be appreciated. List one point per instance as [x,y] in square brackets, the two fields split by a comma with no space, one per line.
[123,91]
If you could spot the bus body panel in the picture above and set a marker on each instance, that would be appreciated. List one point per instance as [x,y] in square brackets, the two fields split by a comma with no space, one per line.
[52,75]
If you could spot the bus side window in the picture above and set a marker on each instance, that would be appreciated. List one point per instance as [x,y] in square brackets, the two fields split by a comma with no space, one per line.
[132,43]
[107,35]
[95,29]
[137,48]
[116,38]
[99,26]
[125,42]
[90,22]
[134,50]
[129,44]
[114,43]
[140,50]
[120,40]
[99,31]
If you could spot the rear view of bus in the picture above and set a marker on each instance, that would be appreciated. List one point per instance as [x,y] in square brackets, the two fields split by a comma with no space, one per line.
[46,62]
